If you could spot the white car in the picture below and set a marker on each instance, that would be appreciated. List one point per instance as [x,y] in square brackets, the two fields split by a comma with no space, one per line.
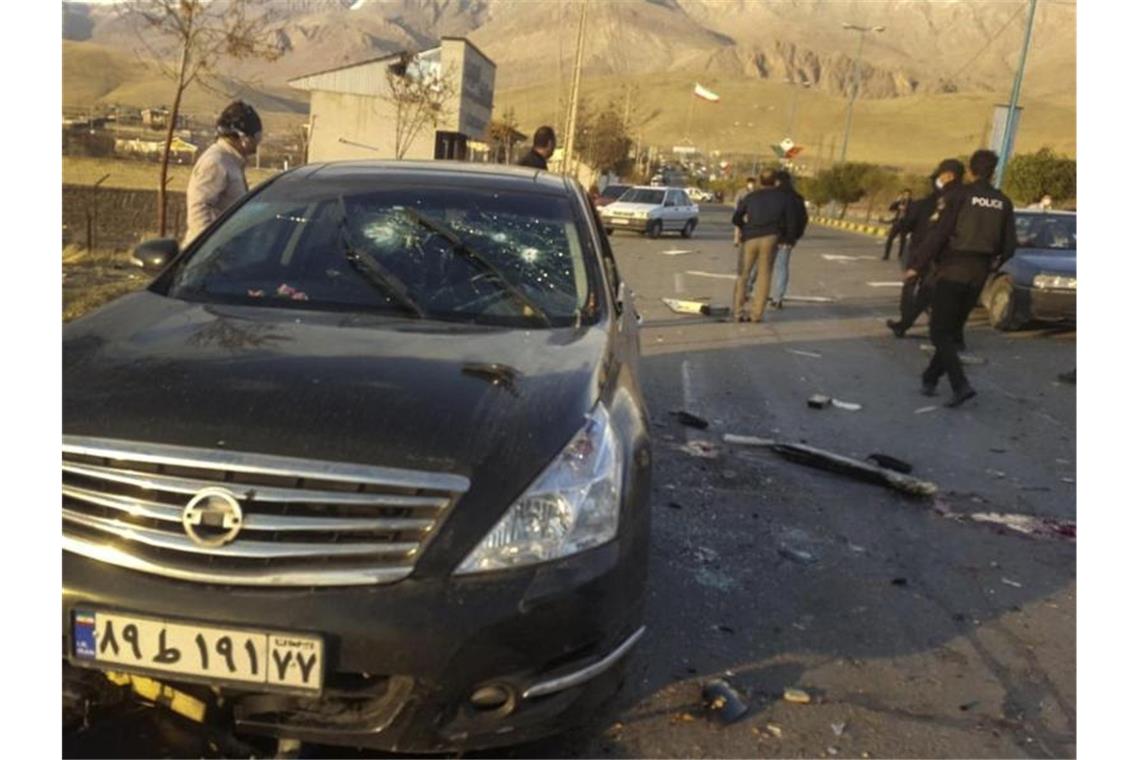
[699,195]
[652,210]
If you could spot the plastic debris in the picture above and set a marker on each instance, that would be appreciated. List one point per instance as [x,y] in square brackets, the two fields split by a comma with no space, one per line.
[701,449]
[774,730]
[818,401]
[723,701]
[848,405]
[748,440]
[885,460]
[796,696]
[833,751]
[683,307]
[925,409]
[1030,525]
[1008,582]
[796,555]
[677,251]
[692,420]
[837,728]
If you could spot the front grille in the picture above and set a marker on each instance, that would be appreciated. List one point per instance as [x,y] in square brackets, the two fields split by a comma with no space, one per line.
[303,522]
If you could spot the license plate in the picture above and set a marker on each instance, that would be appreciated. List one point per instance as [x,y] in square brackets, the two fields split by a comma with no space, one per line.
[277,660]
[620,221]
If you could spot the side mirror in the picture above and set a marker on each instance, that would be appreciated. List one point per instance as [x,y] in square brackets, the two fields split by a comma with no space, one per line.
[154,255]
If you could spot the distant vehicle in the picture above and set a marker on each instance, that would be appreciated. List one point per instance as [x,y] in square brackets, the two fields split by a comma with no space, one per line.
[652,210]
[699,195]
[657,180]
[612,192]
[1039,282]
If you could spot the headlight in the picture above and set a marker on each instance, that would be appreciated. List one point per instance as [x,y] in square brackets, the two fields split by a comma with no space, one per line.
[1055,282]
[573,505]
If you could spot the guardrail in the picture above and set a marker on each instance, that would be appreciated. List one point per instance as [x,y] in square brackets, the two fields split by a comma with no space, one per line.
[875,230]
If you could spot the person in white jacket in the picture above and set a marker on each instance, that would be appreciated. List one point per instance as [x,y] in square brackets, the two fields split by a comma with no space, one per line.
[218,179]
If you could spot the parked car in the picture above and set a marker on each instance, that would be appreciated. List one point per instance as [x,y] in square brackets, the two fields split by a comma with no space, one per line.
[612,192]
[1039,282]
[652,210]
[369,461]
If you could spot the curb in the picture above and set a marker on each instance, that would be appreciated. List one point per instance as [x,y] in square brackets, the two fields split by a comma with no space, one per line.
[866,229]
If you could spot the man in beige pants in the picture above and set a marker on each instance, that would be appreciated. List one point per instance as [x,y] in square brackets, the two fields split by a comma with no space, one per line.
[762,216]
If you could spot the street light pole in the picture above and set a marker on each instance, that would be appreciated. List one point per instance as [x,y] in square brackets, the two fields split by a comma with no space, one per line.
[1011,113]
[855,84]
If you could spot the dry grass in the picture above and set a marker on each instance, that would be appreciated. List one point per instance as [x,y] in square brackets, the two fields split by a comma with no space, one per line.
[136,175]
[91,279]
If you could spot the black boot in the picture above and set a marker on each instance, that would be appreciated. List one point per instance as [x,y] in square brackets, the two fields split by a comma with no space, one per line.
[961,396]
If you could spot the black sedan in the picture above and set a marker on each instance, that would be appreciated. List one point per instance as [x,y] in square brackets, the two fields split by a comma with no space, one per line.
[1039,282]
[367,464]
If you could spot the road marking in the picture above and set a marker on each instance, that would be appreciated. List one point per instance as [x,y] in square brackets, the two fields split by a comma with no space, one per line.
[679,283]
[677,251]
[716,275]
[844,257]
[885,284]
[812,354]
[810,299]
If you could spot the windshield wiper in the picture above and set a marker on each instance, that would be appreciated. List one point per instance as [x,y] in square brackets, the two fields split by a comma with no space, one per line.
[373,271]
[481,262]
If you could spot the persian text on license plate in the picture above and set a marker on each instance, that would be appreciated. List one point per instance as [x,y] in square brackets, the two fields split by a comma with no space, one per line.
[279,660]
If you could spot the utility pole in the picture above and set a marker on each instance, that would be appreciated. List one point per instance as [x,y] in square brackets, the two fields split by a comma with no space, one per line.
[855,84]
[568,157]
[1011,114]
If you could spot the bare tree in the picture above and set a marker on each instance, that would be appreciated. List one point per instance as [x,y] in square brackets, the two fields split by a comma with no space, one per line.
[201,33]
[420,94]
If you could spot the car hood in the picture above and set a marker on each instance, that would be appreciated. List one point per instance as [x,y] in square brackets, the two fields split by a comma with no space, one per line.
[1034,260]
[626,206]
[372,389]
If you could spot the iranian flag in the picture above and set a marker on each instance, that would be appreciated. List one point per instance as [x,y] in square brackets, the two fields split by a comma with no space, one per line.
[706,94]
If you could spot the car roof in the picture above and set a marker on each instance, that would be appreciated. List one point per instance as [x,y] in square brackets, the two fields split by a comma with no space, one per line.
[1042,211]
[443,173]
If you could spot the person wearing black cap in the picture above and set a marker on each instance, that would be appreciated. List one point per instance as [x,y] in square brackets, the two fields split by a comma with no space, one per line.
[540,150]
[973,231]
[917,290]
[218,178]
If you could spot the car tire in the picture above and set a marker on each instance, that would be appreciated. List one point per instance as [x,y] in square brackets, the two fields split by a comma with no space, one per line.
[654,229]
[1001,307]
[687,230]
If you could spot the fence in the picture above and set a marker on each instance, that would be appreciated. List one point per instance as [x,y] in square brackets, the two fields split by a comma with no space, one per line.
[116,218]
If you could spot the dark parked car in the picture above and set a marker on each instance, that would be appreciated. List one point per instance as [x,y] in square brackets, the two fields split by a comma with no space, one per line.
[370,458]
[1039,282]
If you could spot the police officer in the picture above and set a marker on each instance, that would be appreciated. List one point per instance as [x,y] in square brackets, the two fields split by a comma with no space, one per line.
[916,290]
[973,230]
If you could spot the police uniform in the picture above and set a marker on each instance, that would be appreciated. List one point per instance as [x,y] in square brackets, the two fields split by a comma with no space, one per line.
[916,291]
[973,229]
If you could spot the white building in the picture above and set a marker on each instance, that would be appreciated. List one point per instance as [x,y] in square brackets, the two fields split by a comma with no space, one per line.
[352,117]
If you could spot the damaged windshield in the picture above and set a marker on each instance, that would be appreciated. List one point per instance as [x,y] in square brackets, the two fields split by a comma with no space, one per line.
[458,254]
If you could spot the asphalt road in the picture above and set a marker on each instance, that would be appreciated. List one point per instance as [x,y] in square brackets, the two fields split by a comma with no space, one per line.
[916,630]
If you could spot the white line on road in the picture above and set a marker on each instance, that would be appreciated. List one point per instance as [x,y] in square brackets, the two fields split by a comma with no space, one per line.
[677,251]
[891,284]
[717,275]
[812,354]
[844,257]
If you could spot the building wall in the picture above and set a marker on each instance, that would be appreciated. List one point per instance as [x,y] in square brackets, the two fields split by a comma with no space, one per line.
[472,106]
[338,117]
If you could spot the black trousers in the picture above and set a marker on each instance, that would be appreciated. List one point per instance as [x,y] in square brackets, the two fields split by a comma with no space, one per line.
[902,236]
[914,300]
[951,304]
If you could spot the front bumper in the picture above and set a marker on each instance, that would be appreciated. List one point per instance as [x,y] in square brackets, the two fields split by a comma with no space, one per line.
[1052,305]
[626,223]
[403,660]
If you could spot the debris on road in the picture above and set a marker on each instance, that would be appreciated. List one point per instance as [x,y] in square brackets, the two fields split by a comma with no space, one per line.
[845,257]
[774,730]
[1008,582]
[1068,480]
[683,307]
[748,440]
[674,505]
[796,555]
[995,473]
[678,251]
[848,405]
[717,275]
[926,409]
[723,701]
[891,284]
[810,299]
[796,696]
[837,728]
[833,751]
[898,465]
[799,352]
[899,581]
[837,463]
[720,312]
[1030,525]
[701,449]
[690,419]
[818,401]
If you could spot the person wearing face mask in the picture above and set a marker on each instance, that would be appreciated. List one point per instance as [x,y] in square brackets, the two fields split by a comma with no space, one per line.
[916,290]
[218,178]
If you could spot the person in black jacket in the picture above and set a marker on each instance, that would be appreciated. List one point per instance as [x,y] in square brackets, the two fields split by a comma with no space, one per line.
[916,290]
[899,207]
[788,240]
[973,230]
[541,150]
[764,216]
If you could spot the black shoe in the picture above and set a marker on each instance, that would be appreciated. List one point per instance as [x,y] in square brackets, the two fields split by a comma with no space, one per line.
[929,389]
[961,397]
[896,327]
